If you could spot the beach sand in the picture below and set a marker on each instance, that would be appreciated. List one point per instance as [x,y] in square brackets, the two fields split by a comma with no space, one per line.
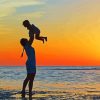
[72,92]
[48,95]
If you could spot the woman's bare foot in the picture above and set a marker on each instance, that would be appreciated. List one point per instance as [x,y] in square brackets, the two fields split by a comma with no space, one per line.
[23,94]
[30,96]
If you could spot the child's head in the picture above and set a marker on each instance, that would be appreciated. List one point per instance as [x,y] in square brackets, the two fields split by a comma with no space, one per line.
[23,41]
[26,23]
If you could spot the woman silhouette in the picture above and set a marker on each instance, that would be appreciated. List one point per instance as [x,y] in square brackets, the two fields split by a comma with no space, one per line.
[30,65]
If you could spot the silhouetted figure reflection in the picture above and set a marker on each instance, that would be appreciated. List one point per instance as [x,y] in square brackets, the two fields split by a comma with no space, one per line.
[30,65]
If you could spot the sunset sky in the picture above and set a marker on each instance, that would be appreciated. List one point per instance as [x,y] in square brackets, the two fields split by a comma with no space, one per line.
[72,28]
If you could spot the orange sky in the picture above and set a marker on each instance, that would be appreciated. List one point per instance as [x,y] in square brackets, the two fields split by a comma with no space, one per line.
[72,28]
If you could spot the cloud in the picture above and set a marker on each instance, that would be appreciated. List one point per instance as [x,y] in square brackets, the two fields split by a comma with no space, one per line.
[8,7]
[37,14]
[6,11]
[21,3]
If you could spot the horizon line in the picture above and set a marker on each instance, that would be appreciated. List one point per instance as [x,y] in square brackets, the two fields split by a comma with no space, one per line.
[52,66]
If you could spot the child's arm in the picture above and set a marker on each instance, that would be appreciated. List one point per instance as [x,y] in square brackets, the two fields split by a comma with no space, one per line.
[31,39]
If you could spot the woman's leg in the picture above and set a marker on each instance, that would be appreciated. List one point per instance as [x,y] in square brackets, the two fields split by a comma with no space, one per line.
[25,83]
[24,86]
[31,83]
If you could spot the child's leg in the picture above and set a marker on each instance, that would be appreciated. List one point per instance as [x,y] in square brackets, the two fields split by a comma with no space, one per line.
[38,37]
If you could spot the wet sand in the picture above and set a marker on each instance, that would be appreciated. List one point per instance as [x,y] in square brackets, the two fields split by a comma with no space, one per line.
[47,95]
[80,92]
[51,91]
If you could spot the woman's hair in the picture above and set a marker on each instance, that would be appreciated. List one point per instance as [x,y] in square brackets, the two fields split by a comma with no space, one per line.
[26,23]
[23,41]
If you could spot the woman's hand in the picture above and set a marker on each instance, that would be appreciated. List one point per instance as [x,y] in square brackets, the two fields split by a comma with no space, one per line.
[22,53]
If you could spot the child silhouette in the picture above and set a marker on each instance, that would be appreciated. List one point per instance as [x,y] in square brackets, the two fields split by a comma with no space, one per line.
[33,30]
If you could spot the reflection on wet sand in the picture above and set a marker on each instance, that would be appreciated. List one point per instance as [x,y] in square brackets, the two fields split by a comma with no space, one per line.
[58,91]
[46,95]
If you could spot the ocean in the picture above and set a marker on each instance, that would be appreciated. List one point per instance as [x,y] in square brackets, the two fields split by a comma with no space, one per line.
[54,74]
